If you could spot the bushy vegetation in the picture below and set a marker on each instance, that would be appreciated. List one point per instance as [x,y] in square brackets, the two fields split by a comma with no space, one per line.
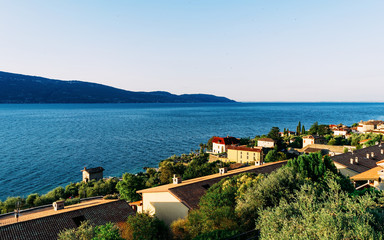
[72,192]
[87,231]
[332,214]
[143,226]
[306,199]
[187,166]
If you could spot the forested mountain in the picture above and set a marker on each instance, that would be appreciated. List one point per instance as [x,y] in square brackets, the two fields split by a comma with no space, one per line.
[17,88]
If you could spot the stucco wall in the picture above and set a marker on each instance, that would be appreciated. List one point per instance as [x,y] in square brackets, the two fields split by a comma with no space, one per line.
[218,148]
[240,156]
[165,206]
[266,144]
[345,171]
[307,141]
[91,176]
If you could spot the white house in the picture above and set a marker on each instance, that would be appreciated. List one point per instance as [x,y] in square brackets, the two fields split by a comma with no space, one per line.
[266,143]
[220,144]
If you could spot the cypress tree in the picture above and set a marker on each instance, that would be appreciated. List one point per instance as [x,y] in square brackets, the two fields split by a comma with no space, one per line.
[303,130]
[298,128]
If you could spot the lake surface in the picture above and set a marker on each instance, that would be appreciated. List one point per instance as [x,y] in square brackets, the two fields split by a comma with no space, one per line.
[43,146]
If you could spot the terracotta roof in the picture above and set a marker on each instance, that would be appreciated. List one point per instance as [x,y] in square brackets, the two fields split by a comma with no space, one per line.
[137,203]
[380,131]
[39,225]
[93,170]
[341,129]
[365,140]
[364,163]
[245,148]
[380,162]
[319,147]
[226,140]
[266,139]
[373,122]
[371,174]
[190,191]
[311,150]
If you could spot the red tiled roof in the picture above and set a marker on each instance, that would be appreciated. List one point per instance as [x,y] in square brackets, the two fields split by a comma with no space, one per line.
[245,148]
[226,140]
[137,203]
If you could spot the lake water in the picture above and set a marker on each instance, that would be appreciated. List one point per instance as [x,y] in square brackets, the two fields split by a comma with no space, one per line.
[43,146]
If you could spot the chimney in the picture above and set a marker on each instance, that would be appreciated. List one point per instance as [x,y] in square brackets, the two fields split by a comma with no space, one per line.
[356,159]
[372,154]
[351,160]
[176,180]
[58,205]
[382,151]
[368,155]
[223,170]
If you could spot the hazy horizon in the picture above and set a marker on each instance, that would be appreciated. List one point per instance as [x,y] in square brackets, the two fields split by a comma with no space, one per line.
[248,51]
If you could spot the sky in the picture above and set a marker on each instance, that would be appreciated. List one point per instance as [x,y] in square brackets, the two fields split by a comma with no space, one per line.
[250,51]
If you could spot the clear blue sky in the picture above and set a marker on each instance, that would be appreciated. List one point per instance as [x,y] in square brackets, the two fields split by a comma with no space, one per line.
[268,50]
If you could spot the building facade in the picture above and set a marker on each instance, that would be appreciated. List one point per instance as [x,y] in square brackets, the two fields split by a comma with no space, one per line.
[266,143]
[243,154]
[219,144]
[92,173]
[312,139]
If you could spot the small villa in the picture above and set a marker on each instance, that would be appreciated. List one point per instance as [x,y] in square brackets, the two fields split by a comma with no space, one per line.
[219,144]
[340,131]
[244,154]
[370,125]
[92,173]
[313,139]
[266,143]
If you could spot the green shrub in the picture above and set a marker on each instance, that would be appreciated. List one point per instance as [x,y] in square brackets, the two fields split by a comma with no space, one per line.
[71,201]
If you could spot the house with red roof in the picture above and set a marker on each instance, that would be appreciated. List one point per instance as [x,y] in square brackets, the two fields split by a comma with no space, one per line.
[220,144]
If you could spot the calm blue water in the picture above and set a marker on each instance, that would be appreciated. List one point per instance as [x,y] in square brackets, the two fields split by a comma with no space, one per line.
[46,145]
